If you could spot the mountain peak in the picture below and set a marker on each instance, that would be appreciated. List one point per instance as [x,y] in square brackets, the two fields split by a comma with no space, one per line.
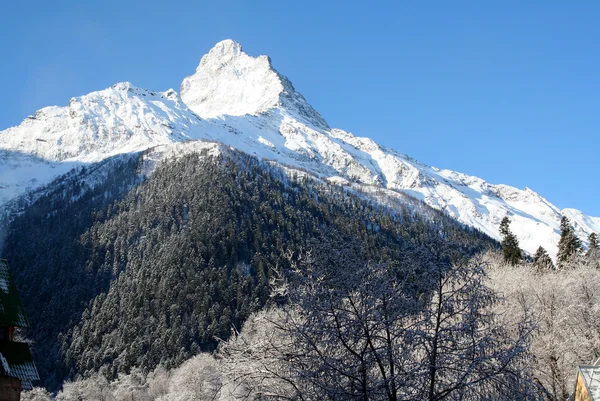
[226,49]
[230,82]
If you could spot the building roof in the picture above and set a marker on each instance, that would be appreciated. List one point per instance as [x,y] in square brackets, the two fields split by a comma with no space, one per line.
[11,309]
[591,378]
[16,361]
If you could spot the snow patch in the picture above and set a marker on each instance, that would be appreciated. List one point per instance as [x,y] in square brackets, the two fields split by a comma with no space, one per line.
[265,142]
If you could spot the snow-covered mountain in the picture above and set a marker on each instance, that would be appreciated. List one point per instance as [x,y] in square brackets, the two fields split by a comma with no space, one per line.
[243,102]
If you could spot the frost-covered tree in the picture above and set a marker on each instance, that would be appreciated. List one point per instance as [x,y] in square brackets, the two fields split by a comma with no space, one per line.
[566,306]
[569,244]
[131,386]
[542,261]
[359,325]
[510,244]
[36,394]
[158,382]
[383,331]
[197,379]
[253,361]
[96,387]
[470,352]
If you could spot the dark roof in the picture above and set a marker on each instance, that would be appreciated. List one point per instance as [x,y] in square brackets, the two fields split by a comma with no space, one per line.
[16,361]
[11,309]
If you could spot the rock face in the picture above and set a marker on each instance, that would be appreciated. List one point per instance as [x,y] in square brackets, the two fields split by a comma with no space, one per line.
[243,102]
[230,82]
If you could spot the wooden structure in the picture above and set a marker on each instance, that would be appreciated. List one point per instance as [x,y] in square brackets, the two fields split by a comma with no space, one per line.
[17,369]
[587,384]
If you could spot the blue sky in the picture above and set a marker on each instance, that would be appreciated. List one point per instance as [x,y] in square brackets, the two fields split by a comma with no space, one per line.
[508,91]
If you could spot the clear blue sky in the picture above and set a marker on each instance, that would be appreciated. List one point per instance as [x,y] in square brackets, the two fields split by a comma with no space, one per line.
[508,91]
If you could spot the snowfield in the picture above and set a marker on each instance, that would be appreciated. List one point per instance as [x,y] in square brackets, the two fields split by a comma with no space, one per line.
[243,102]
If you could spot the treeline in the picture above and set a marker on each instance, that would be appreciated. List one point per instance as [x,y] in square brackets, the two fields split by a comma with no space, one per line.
[570,253]
[161,271]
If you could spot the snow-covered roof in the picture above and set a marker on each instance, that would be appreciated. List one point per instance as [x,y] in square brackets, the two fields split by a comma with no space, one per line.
[591,377]
[11,309]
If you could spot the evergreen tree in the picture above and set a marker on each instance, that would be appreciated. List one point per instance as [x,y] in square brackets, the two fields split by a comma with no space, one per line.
[542,260]
[593,252]
[569,245]
[510,245]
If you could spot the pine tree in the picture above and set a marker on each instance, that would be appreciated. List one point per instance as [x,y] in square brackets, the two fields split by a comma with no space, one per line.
[510,245]
[593,252]
[542,261]
[569,245]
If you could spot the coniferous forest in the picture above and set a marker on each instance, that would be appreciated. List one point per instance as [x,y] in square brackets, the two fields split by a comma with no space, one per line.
[139,274]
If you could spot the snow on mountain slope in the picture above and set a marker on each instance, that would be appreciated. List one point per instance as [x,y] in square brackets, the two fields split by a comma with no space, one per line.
[22,172]
[115,120]
[120,119]
[241,101]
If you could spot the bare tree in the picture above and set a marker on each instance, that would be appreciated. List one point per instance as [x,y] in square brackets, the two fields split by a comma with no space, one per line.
[382,332]
[254,362]
[469,353]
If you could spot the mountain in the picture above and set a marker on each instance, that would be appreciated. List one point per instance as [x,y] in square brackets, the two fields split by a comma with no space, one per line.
[129,273]
[243,102]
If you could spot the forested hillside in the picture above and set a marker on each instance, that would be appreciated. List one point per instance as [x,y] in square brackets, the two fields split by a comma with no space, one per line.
[52,266]
[144,275]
